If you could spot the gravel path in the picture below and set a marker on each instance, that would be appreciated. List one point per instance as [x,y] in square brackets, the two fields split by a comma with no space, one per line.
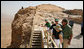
[76,42]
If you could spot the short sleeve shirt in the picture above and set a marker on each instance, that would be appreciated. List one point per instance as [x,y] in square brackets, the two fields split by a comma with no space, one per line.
[55,33]
[67,31]
[47,24]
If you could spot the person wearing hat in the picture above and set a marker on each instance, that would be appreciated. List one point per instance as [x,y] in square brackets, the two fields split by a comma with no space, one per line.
[56,21]
[67,33]
[54,24]
[47,23]
[54,32]
[47,27]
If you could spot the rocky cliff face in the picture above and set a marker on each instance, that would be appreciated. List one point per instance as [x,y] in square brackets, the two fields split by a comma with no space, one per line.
[21,26]
[25,18]
[75,12]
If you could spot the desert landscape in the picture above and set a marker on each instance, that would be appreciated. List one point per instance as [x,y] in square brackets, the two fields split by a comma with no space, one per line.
[5,31]
[30,16]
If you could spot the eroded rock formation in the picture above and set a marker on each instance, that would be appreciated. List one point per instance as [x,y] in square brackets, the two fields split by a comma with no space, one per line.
[21,26]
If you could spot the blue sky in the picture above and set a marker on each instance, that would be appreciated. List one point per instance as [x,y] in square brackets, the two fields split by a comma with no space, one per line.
[11,7]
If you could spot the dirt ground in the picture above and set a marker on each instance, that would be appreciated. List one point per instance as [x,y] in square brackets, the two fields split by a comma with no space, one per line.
[77,40]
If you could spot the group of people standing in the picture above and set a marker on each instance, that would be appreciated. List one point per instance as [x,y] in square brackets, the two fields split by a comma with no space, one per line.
[61,33]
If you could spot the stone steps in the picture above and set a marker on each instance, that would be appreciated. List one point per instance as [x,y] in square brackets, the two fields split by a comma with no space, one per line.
[36,40]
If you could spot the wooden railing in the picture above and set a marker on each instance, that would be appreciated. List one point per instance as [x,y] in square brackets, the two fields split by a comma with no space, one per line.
[42,39]
[50,37]
[42,42]
[53,42]
[46,34]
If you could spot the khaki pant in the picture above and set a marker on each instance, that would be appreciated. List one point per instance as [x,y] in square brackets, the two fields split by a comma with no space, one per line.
[65,43]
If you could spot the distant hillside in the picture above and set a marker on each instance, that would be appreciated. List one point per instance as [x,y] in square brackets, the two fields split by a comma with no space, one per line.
[74,12]
[6,18]
[50,7]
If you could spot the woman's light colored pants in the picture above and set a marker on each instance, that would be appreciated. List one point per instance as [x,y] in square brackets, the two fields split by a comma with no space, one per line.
[57,41]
